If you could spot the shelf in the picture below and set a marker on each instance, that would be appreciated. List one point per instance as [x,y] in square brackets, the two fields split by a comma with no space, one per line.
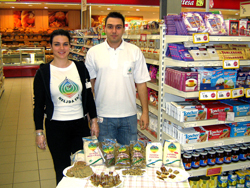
[173,91]
[225,167]
[74,44]
[211,143]
[147,134]
[78,53]
[88,46]
[1,91]
[181,38]
[204,122]
[151,108]
[22,40]
[177,63]
[152,62]
[152,86]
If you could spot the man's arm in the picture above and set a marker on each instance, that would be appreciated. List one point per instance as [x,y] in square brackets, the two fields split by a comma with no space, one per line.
[143,95]
[92,81]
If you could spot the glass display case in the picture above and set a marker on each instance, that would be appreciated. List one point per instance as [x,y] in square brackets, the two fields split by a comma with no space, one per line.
[22,61]
[21,56]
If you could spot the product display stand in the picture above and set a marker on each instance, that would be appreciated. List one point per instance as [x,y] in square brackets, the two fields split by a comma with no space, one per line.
[1,69]
[169,94]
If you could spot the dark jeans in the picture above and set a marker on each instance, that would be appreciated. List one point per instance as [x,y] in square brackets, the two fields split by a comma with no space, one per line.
[64,138]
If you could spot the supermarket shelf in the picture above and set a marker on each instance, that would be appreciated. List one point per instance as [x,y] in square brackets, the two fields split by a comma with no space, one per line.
[22,40]
[79,53]
[212,143]
[173,91]
[225,167]
[177,63]
[88,46]
[204,122]
[139,36]
[152,61]
[147,134]
[85,36]
[74,44]
[181,38]
[152,109]
[153,86]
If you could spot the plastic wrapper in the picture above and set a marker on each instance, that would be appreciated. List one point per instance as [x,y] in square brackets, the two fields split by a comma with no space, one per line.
[138,154]
[122,156]
[108,151]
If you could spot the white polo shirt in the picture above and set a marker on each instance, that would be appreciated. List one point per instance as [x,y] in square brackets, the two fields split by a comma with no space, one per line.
[116,72]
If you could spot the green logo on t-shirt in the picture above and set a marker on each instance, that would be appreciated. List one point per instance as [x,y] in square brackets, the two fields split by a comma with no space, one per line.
[68,88]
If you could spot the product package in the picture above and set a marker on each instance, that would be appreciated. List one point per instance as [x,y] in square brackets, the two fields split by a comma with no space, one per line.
[217,131]
[154,154]
[138,154]
[172,153]
[215,24]
[108,151]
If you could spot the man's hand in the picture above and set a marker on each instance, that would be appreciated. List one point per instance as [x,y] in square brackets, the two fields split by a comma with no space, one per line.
[144,121]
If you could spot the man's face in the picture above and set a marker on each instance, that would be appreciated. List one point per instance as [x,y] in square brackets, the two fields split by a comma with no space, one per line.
[114,30]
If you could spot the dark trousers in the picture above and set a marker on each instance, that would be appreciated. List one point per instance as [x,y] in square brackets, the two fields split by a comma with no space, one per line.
[64,138]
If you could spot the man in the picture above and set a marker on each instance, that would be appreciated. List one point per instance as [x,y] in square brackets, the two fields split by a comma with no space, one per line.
[115,67]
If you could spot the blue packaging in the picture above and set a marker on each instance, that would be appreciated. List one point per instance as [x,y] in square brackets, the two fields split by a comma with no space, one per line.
[230,77]
[240,108]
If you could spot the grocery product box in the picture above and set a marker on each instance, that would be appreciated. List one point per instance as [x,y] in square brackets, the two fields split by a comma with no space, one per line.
[214,109]
[217,131]
[237,130]
[240,108]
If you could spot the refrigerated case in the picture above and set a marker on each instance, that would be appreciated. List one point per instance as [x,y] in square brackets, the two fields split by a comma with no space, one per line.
[22,61]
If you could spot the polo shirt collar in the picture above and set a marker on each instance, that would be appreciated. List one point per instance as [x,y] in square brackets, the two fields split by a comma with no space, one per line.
[121,47]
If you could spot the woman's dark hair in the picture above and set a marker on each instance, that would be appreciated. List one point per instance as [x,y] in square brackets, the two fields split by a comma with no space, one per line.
[115,15]
[59,32]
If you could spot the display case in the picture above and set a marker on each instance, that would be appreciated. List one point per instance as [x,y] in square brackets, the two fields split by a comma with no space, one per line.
[22,61]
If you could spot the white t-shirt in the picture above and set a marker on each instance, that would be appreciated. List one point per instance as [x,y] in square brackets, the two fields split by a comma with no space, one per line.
[65,89]
[116,72]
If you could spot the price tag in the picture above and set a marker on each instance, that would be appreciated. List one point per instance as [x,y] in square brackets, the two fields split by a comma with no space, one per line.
[230,116]
[231,64]
[207,95]
[214,171]
[247,93]
[219,143]
[241,119]
[200,38]
[224,94]
[239,140]
[190,147]
[143,37]
[190,124]
[239,92]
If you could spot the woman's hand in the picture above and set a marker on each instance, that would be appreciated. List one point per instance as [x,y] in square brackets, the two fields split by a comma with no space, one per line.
[40,140]
[94,127]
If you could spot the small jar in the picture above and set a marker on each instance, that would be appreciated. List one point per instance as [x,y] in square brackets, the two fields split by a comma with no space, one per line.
[238,145]
[219,156]
[224,147]
[187,161]
[211,158]
[231,145]
[216,148]
[199,150]
[195,160]
[227,156]
[203,159]
[248,152]
[243,153]
[182,152]
[189,151]
[235,154]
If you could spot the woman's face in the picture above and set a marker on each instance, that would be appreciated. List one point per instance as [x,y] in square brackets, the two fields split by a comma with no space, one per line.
[60,47]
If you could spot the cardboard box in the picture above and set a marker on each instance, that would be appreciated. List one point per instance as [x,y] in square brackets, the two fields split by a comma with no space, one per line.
[217,131]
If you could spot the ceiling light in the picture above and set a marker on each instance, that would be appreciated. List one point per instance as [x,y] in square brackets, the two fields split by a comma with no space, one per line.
[46,7]
[108,8]
[30,5]
[99,6]
[130,7]
[65,5]
[153,12]
[128,12]
[12,7]
[137,9]
[236,13]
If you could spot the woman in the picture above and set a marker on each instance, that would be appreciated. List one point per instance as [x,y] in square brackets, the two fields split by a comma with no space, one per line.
[62,91]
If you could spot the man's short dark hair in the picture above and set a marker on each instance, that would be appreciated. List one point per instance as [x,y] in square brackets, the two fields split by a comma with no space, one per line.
[115,15]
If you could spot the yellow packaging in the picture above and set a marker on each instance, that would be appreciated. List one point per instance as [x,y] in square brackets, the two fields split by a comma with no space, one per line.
[204,181]
[247,52]
[194,182]
[213,182]
[231,52]
[221,46]
[172,153]
[241,175]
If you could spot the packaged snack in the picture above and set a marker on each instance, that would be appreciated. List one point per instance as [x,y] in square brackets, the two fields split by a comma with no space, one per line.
[215,24]
[92,151]
[204,181]
[217,131]
[213,181]
[241,177]
[230,79]
[171,153]
[154,154]
[232,178]
[194,182]
[223,180]
[108,151]
[138,154]
[122,156]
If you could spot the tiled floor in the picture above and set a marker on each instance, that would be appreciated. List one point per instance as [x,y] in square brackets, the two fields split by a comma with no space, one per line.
[22,164]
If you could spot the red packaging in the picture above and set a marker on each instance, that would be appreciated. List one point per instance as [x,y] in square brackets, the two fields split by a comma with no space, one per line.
[214,109]
[203,134]
[217,131]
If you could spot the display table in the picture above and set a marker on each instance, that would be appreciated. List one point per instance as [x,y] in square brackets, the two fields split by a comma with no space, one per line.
[147,181]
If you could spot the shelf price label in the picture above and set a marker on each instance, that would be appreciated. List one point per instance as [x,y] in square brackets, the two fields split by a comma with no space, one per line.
[231,64]
[200,38]
[214,171]
[224,94]
[247,93]
[207,95]
[219,143]
[239,92]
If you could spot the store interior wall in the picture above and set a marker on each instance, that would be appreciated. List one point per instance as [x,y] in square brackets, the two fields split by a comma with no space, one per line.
[41,19]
